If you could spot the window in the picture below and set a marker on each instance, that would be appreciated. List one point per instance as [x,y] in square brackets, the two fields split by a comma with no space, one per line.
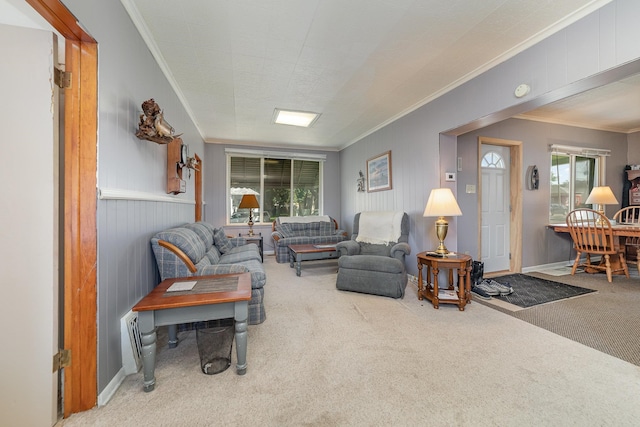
[574,172]
[285,184]
[492,160]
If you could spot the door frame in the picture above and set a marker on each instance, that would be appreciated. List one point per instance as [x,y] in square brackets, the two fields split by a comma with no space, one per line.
[515,199]
[80,234]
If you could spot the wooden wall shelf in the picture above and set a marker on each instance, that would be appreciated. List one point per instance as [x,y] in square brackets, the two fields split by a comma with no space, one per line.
[175,183]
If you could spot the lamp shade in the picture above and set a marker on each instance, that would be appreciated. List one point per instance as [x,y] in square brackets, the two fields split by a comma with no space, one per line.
[249,201]
[601,196]
[442,203]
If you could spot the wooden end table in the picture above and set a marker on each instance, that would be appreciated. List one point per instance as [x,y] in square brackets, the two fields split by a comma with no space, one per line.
[461,263]
[213,297]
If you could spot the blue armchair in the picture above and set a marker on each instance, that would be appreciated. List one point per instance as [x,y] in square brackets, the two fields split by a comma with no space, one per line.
[373,261]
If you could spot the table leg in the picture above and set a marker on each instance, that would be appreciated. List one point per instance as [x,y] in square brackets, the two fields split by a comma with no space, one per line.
[420,281]
[462,299]
[435,301]
[173,336]
[467,287]
[290,258]
[148,341]
[298,265]
[241,315]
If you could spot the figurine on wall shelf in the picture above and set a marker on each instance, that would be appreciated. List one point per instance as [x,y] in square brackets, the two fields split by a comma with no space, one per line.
[361,183]
[153,126]
[192,163]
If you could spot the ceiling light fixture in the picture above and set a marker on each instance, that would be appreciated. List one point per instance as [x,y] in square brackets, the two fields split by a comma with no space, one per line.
[294,118]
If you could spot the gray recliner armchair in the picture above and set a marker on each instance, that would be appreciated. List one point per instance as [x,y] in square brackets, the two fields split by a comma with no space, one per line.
[372,261]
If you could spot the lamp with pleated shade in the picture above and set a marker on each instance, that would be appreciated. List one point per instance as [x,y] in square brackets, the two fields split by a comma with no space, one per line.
[601,196]
[442,203]
[249,201]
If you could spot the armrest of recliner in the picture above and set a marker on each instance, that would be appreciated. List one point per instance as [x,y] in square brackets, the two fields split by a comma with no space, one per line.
[399,250]
[340,232]
[348,247]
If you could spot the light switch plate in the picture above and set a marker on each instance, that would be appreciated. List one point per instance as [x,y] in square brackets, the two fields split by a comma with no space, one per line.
[471,188]
[450,176]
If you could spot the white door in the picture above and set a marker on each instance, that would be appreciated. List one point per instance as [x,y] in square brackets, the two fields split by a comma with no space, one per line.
[29,228]
[496,211]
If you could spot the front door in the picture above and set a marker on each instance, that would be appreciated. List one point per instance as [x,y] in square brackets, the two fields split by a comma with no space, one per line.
[496,207]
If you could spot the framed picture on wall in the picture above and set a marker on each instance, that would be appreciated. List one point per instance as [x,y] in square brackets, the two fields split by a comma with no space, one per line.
[379,172]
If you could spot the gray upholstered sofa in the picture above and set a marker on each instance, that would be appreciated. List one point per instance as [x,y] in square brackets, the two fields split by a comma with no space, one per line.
[199,249]
[373,260]
[304,230]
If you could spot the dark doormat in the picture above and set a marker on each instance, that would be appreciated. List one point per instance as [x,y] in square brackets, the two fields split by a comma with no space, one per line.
[529,291]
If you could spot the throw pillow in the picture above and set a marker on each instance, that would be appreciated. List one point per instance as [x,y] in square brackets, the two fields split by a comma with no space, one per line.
[222,241]
[285,230]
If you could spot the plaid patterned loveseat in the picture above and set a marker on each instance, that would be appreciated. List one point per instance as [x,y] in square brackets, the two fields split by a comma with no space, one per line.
[199,249]
[304,231]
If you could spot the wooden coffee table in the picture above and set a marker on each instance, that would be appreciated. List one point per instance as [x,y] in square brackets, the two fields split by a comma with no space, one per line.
[213,297]
[299,253]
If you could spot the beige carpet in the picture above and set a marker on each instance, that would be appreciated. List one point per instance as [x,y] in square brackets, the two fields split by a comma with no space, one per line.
[607,320]
[325,357]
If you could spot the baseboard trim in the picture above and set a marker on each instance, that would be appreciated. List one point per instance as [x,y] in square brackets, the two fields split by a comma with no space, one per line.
[111,388]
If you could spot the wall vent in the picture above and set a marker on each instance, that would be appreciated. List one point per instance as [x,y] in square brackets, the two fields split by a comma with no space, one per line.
[130,343]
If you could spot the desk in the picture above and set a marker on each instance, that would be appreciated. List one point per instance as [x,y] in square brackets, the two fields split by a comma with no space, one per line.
[161,308]
[461,263]
[619,230]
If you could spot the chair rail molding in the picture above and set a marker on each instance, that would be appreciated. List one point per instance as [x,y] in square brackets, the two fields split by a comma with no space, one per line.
[121,194]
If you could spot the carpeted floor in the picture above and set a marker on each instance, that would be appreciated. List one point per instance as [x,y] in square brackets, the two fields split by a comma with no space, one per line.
[529,291]
[607,320]
[324,357]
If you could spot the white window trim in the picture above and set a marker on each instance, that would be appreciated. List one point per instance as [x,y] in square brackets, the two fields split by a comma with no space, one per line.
[235,152]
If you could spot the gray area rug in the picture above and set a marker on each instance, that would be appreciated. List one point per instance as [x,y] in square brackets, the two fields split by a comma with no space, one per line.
[529,291]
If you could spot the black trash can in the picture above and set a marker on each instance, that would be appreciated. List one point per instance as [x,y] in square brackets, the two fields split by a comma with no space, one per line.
[215,342]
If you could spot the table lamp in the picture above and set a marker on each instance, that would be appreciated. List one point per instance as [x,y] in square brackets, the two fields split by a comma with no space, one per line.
[601,196]
[442,203]
[249,201]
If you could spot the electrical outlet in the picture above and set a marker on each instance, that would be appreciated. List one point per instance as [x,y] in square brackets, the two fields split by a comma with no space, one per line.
[471,189]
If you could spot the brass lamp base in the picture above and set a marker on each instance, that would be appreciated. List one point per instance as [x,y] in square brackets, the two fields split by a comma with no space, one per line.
[250,224]
[442,227]
[599,220]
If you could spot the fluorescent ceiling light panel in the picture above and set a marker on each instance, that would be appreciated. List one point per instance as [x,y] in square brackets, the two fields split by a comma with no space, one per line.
[295,118]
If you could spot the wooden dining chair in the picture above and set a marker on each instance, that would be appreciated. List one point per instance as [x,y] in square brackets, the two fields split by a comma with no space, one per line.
[630,216]
[592,235]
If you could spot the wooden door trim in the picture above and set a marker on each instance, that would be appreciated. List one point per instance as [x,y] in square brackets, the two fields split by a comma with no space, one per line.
[515,198]
[198,188]
[80,235]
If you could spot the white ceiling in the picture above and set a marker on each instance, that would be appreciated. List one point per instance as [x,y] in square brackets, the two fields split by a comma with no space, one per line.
[614,107]
[359,63]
